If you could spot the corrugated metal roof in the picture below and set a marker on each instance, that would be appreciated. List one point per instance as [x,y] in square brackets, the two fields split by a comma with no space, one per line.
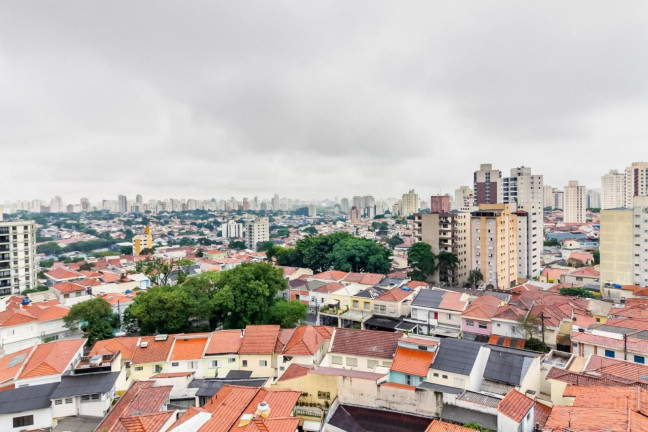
[456,356]
[428,298]
[480,398]
[78,385]
[26,398]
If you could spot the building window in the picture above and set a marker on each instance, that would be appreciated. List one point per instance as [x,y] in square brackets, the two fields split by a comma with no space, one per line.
[23,421]
[639,359]
[138,368]
[175,364]
[366,305]
[444,376]
[356,303]
[244,363]
[470,323]
[449,316]
[231,360]
[408,379]
[68,401]
[323,395]
[435,374]
[213,364]
[609,353]
[351,361]
[336,360]
[483,325]
[157,368]
[58,402]
[372,364]
[263,363]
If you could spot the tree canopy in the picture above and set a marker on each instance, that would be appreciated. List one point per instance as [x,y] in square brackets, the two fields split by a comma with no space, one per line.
[95,318]
[421,259]
[360,255]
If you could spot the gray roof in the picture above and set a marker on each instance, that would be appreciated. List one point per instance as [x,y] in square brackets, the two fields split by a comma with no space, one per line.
[502,296]
[78,385]
[440,388]
[390,281]
[456,356]
[508,365]
[428,298]
[26,398]
[460,415]
[209,387]
[480,398]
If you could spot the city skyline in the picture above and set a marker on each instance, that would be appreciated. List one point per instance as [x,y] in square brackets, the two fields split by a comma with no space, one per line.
[302,100]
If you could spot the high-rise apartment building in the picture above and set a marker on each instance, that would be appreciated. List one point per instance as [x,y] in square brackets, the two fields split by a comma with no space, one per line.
[613,190]
[548,197]
[256,232]
[464,198]
[344,205]
[231,229]
[85,204]
[409,203]
[56,205]
[494,244]
[17,257]
[448,232]
[122,204]
[593,199]
[439,204]
[525,193]
[558,199]
[636,182]
[487,184]
[142,241]
[575,210]
[354,213]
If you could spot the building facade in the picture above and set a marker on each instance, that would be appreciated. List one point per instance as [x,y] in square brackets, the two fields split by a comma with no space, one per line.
[17,257]
[612,190]
[256,232]
[575,210]
[439,204]
[409,203]
[487,185]
[636,182]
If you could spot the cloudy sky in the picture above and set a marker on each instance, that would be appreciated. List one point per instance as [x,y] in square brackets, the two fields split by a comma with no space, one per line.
[314,98]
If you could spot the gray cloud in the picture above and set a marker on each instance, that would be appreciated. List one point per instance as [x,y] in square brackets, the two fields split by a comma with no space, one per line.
[314,99]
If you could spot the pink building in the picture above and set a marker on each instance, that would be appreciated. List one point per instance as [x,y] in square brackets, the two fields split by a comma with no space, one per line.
[476,318]
[439,204]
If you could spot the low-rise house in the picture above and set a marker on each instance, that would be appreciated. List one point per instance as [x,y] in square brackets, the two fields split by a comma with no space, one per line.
[438,312]
[150,356]
[581,277]
[256,353]
[476,319]
[48,361]
[361,349]
[507,368]
[411,365]
[516,412]
[304,345]
[27,408]
[187,352]
[125,347]
[222,353]
[206,388]
[459,363]
[71,293]
[58,275]
[624,339]
[390,307]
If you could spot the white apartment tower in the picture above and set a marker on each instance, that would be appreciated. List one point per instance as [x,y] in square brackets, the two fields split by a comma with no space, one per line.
[636,182]
[409,203]
[525,193]
[231,229]
[575,210]
[257,232]
[613,190]
[17,257]
[464,199]
[122,204]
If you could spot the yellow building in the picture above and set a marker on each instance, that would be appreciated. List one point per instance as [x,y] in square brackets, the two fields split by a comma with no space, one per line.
[616,248]
[494,241]
[142,241]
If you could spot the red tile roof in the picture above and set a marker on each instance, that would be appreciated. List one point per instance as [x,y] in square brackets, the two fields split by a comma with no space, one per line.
[305,340]
[395,295]
[398,386]
[259,339]
[8,373]
[126,345]
[441,426]
[188,348]
[66,287]
[146,422]
[366,343]
[155,351]
[332,275]
[172,374]
[330,287]
[51,358]
[224,342]
[63,274]
[364,278]
[482,308]
[295,371]
[515,405]
[412,362]
[452,301]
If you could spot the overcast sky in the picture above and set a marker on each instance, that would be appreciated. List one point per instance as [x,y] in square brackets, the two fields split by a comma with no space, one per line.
[314,98]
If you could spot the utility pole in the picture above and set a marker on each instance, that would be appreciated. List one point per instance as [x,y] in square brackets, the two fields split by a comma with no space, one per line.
[542,326]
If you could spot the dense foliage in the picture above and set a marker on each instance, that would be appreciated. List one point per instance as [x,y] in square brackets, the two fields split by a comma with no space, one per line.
[421,260]
[95,318]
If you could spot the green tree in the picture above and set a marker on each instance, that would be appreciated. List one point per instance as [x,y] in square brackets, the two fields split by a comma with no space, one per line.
[597,257]
[551,242]
[316,250]
[158,270]
[394,241]
[530,325]
[86,266]
[576,263]
[49,249]
[447,263]
[288,257]
[475,277]
[126,250]
[310,230]
[288,314]
[576,292]
[164,309]
[265,246]
[237,244]
[95,318]
[200,253]
[360,255]
[421,259]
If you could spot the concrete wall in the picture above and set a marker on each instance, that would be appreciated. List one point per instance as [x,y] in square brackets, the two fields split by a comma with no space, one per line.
[42,419]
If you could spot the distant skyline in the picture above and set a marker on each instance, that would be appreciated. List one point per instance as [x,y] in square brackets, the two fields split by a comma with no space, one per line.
[314,100]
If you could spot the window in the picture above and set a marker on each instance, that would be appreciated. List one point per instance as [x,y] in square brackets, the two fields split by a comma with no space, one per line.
[483,325]
[336,360]
[323,395]
[408,379]
[192,365]
[85,398]
[263,363]
[95,396]
[157,368]
[609,353]
[366,306]
[444,376]
[356,303]
[175,364]
[231,360]
[435,374]
[58,402]
[138,368]
[23,421]
[68,401]
[244,363]
[470,323]
[372,364]
[213,364]
[351,361]
[639,359]
[449,316]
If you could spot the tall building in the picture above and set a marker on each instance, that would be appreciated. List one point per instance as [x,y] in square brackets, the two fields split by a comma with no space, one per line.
[344,204]
[558,199]
[409,203]
[593,199]
[636,182]
[494,244]
[575,210]
[122,204]
[56,205]
[487,185]
[548,197]
[354,214]
[17,257]
[312,210]
[142,241]
[613,190]
[257,231]
[525,193]
[276,202]
[85,204]
[139,200]
[464,198]
[448,232]
[439,204]
[232,229]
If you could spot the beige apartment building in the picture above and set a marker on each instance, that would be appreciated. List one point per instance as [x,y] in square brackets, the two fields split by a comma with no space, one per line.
[494,244]
[616,247]
[613,190]
[575,210]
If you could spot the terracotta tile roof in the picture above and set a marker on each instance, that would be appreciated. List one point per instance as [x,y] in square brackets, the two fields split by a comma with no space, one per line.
[63,274]
[364,278]
[9,372]
[413,339]
[329,288]
[282,339]
[109,277]
[188,348]
[632,344]
[417,284]
[441,426]
[295,371]
[224,342]
[398,386]
[332,275]
[510,313]
[66,287]
[332,371]
[283,424]
[367,343]
[259,339]
[506,341]
[452,301]
[155,351]
[127,346]
[15,316]
[51,358]
[88,282]
[412,362]
[172,374]
[305,340]
[395,295]
[140,399]
[541,414]
[90,274]
[515,405]
[146,422]
[482,308]
[585,271]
